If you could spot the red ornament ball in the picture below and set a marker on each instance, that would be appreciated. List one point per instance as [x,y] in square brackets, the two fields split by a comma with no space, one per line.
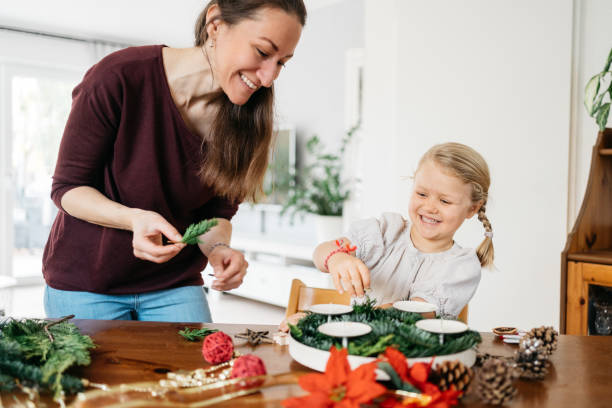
[217,348]
[248,365]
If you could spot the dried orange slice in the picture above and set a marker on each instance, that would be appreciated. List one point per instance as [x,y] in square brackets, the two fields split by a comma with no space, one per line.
[503,330]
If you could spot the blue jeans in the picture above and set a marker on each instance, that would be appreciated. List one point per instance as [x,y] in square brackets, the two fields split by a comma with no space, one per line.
[184,304]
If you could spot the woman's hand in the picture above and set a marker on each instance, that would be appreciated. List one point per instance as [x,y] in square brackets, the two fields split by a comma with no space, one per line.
[350,273]
[148,228]
[229,267]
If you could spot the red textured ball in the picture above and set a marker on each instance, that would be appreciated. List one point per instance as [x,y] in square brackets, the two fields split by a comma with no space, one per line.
[248,365]
[217,348]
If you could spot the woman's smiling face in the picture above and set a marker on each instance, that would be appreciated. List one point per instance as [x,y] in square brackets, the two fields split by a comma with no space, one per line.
[438,206]
[251,53]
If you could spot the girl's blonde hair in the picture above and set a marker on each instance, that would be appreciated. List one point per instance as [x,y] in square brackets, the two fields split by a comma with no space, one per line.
[470,167]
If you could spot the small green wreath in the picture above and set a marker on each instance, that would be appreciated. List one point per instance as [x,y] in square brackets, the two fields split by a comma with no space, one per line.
[390,327]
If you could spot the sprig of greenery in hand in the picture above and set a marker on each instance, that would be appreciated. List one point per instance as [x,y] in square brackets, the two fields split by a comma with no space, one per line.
[196,334]
[192,233]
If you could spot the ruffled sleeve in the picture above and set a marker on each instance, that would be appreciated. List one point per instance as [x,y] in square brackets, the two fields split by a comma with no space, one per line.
[452,278]
[373,236]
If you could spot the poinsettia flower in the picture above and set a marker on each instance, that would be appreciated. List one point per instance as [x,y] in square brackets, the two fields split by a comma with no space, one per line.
[338,387]
[444,399]
[392,402]
[448,399]
[397,360]
[436,399]
[416,375]
[419,373]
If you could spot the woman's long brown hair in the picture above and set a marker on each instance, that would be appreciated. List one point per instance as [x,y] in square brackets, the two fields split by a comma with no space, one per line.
[236,151]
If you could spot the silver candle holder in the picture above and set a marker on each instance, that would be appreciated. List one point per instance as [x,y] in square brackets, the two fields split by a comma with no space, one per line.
[330,309]
[344,330]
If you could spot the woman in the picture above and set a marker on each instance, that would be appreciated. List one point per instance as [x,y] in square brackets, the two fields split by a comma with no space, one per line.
[159,138]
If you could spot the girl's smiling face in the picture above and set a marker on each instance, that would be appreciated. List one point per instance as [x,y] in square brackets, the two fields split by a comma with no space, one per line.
[251,53]
[439,204]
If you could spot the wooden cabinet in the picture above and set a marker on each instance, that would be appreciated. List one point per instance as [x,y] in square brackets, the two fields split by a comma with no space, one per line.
[580,275]
[587,257]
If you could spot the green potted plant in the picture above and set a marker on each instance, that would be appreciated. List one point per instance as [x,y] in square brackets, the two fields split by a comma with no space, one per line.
[594,99]
[319,188]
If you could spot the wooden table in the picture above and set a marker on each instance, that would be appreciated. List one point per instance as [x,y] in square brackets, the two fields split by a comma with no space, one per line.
[128,351]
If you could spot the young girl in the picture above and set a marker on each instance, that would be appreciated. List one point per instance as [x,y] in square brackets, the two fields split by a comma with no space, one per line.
[418,259]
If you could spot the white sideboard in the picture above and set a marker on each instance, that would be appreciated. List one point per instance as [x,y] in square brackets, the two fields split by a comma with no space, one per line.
[272,267]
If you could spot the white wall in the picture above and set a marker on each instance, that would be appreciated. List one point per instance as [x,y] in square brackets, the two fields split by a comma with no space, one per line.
[129,22]
[494,75]
[133,22]
[310,91]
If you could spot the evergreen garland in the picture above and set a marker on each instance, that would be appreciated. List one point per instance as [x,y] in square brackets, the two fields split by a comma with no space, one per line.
[390,327]
[192,233]
[37,353]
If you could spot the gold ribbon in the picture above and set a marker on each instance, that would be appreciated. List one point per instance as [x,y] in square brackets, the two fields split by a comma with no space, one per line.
[151,391]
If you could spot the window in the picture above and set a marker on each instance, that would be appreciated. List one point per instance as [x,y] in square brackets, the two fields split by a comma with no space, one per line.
[36,102]
[37,106]
[37,75]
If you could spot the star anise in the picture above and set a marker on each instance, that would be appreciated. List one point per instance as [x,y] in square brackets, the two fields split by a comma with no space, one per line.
[255,337]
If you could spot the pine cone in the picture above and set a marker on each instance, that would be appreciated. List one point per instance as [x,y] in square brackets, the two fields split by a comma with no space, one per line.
[494,382]
[548,335]
[450,373]
[481,358]
[532,359]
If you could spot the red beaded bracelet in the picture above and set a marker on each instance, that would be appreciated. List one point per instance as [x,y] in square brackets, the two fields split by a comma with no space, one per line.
[347,249]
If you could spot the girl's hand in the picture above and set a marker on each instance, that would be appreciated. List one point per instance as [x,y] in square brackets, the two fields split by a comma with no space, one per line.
[229,267]
[349,273]
[293,319]
[384,306]
[148,227]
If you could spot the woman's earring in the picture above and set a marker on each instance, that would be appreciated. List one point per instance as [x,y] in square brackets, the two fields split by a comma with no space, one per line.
[212,43]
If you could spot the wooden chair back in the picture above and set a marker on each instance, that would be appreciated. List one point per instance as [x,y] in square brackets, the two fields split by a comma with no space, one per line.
[463,315]
[302,297]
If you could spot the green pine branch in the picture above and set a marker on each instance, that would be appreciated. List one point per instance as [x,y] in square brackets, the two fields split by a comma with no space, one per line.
[32,375]
[33,355]
[192,233]
[196,334]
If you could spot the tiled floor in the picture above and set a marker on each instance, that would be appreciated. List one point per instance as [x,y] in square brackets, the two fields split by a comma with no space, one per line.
[225,308]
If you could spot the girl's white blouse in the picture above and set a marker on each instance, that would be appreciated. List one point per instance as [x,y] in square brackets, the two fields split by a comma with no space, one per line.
[399,271]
